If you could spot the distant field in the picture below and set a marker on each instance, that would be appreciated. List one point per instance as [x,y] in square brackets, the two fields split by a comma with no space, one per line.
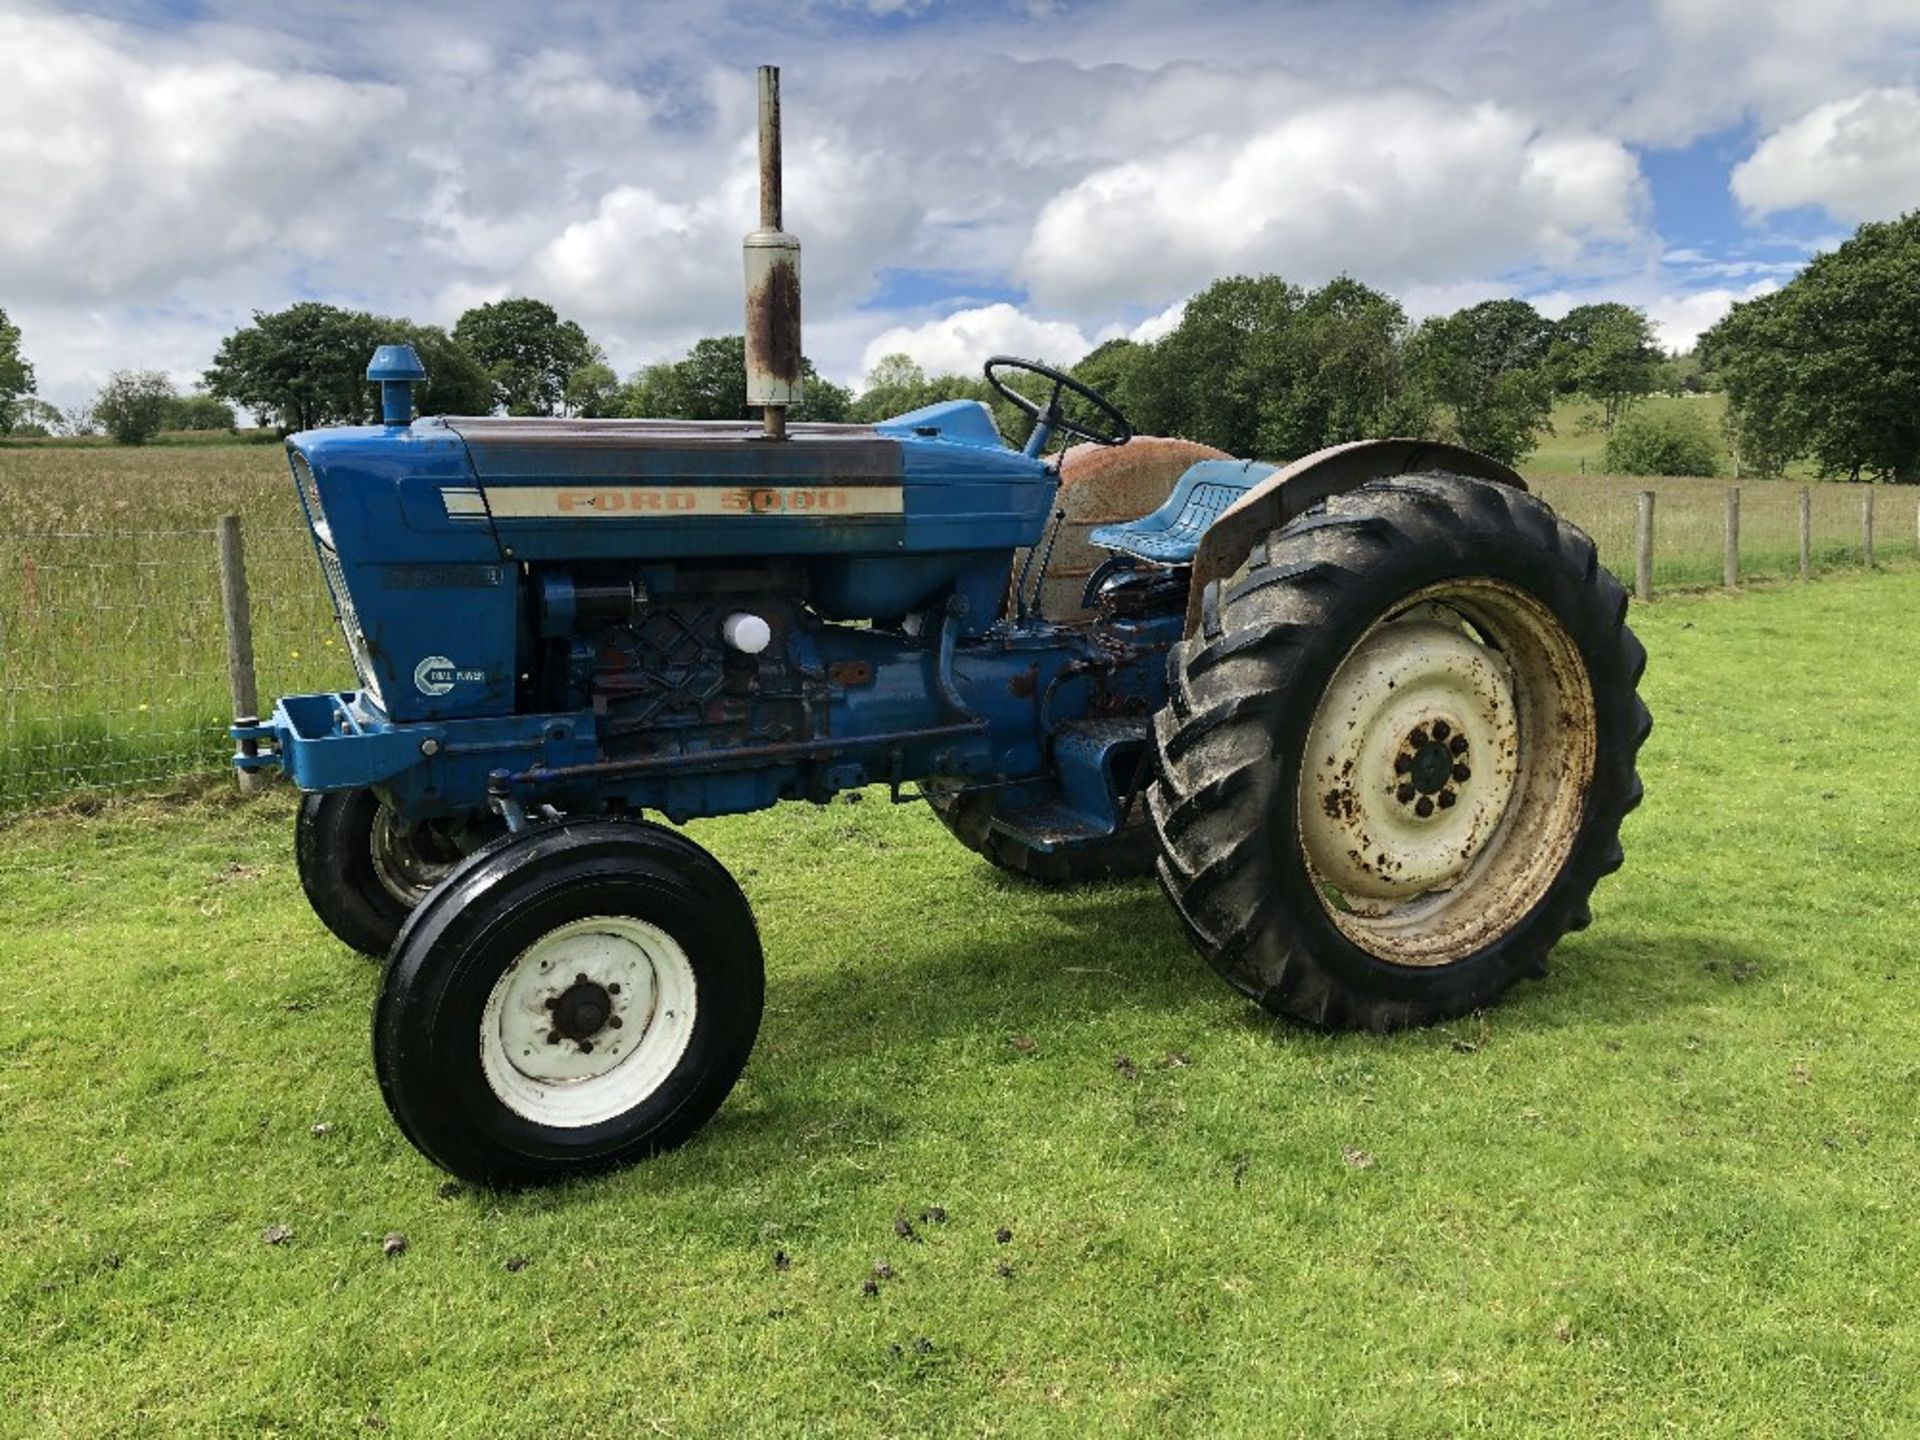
[111,660]
[1667,1191]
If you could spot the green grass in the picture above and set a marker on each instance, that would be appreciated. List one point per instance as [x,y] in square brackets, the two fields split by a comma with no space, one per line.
[1668,1190]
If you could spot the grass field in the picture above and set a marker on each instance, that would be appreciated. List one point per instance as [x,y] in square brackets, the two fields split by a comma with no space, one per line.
[1666,1191]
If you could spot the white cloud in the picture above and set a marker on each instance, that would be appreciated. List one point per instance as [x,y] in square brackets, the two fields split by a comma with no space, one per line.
[1857,159]
[121,175]
[1397,187]
[1680,320]
[958,344]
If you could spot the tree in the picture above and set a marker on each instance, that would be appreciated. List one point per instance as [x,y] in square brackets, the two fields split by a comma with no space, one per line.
[1828,367]
[307,366]
[16,375]
[1484,368]
[133,404]
[1208,378]
[528,350]
[1673,440]
[1605,352]
[198,411]
[593,390]
[1338,377]
[710,383]
[36,419]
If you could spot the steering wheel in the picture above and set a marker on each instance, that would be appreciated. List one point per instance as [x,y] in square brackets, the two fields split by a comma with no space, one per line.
[1050,417]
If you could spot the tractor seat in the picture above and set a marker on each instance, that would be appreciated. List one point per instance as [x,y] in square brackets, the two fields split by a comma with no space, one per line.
[1171,534]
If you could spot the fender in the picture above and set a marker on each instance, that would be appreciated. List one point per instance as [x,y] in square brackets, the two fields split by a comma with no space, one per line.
[1332,471]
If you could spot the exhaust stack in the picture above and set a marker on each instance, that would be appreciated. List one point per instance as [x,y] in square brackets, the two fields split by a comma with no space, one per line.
[773,282]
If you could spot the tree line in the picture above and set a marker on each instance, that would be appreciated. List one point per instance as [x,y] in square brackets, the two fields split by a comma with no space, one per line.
[1822,371]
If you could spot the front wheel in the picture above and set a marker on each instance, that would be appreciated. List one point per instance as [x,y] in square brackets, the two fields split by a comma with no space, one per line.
[364,869]
[576,998]
[1396,759]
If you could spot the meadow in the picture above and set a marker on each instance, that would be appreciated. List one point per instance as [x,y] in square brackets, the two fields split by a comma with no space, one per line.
[112,670]
[1667,1190]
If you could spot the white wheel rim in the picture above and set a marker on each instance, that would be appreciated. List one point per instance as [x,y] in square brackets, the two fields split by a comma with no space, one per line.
[588,1021]
[1446,772]
[403,870]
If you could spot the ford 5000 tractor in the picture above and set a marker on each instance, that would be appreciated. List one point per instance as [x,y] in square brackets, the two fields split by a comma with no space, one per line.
[1370,717]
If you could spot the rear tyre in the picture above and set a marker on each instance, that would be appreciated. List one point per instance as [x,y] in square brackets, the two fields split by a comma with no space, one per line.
[578,997]
[364,870]
[1127,854]
[1395,759]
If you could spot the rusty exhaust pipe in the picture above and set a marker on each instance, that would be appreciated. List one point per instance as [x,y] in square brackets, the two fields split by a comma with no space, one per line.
[773,283]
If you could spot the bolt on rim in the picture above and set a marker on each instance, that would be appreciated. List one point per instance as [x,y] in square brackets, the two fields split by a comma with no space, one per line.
[588,1021]
[1446,772]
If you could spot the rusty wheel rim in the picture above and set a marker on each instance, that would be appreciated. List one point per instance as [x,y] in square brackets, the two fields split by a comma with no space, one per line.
[1446,772]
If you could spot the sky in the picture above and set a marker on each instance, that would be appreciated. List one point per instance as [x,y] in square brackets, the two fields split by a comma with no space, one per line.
[966,176]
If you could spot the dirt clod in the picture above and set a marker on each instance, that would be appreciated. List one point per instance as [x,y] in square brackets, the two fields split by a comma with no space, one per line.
[449,1189]
[1744,970]
[1177,1060]
[394,1246]
[1004,1269]
[903,1227]
[1124,1067]
[1359,1159]
[923,1346]
[1002,1236]
[869,1287]
[277,1234]
[934,1215]
[1025,1044]
[1563,1330]
[882,1270]
[782,1260]
[322,1130]
[515,1264]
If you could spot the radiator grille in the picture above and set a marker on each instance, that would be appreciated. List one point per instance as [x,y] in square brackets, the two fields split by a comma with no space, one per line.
[336,577]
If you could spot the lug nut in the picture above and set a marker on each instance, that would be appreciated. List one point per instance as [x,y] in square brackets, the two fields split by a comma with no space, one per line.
[1458,745]
[1405,793]
[616,1022]
[614,989]
[1424,808]
[1441,729]
[586,1047]
[552,1002]
[1462,773]
[1446,799]
[1418,738]
[1402,764]
[553,1037]
[580,979]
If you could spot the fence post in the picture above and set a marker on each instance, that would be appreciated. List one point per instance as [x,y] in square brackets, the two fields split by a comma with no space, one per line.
[238,611]
[1643,549]
[1806,533]
[1730,570]
[1866,526]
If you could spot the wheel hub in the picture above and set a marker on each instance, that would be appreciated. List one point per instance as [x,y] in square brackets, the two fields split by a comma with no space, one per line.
[1412,758]
[587,1020]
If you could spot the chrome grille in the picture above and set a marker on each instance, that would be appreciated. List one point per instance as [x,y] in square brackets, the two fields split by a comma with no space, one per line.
[336,577]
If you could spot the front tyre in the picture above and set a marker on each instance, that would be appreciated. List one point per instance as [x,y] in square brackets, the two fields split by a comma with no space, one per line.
[1397,755]
[579,997]
[364,869]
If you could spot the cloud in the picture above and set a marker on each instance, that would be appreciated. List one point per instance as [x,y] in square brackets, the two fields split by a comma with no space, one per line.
[958,344]
[122,174]
[1857,159]
[1398,187]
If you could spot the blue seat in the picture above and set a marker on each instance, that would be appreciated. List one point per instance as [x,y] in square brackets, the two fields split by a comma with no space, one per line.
[1171,534]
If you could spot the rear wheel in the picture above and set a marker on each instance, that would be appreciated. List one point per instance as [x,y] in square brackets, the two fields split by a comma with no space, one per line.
[1396,758]
[364,870]
[575,998]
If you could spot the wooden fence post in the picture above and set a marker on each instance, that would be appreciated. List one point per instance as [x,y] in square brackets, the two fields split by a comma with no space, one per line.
[238,611]
[1806,533]
[1730,570]
[1643,548]
[1866,526]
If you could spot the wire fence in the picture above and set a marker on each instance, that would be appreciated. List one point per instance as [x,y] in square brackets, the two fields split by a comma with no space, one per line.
[113,672]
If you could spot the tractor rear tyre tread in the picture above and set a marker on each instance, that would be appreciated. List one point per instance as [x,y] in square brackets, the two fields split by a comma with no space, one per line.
[1243,694]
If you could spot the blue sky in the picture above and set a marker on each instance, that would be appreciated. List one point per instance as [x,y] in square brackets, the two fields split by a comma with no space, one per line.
[1024,175]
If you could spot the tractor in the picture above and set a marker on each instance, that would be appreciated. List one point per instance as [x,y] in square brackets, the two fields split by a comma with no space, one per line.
[1371,718]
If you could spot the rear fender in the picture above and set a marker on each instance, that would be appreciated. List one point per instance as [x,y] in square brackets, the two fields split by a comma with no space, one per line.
[1333,471]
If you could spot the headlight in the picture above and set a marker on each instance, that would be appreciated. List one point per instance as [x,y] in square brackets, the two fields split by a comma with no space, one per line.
[336,577]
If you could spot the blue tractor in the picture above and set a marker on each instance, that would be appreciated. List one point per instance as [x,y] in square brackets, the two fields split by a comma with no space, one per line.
[1371,718]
